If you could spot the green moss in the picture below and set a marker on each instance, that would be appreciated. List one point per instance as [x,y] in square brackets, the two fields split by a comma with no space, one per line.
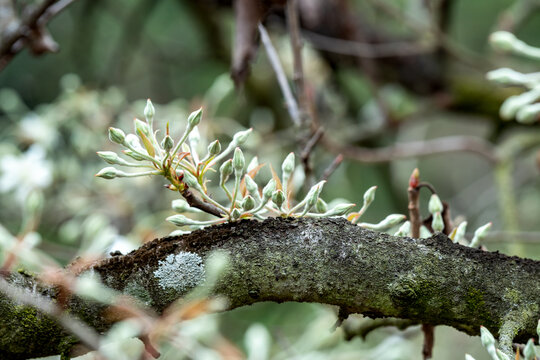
[33,330]
[512,296]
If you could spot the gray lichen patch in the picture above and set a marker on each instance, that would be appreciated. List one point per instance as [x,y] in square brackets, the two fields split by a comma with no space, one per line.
[180,272]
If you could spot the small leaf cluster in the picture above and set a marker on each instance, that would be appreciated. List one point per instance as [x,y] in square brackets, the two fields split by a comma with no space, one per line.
[524,107]
[187,172]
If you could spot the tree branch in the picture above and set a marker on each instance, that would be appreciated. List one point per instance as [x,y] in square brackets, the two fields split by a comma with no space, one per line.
[328,261]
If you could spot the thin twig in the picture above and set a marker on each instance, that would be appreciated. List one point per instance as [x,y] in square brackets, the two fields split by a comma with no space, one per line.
[366,50]
[31,30]
[417,148]
[196,202]
[273,57]
[298,68]
[86,334]
[332,167]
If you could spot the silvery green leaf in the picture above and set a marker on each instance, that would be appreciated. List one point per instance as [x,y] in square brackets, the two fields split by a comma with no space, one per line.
[253,164]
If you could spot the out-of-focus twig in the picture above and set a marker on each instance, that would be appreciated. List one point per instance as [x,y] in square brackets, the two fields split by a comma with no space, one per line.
[292,105]
[417,148]
[332,167]
[30,31]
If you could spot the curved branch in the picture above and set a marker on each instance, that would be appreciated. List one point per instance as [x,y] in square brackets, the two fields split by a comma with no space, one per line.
[330,261]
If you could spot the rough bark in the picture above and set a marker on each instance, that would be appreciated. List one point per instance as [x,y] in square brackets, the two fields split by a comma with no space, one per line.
[330,261]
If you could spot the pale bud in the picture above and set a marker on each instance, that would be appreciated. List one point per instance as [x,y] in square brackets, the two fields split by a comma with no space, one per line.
[513,104]
[214,148]
[235,214]
[486,338]
[248,203]
[240,137]
[133,142]
[503,41]
[369,195]
[179,220]
[288,166]
[194,118]
[459,233]
[480,234]
[180,206]
[389,222]
[528,114]
[530,351]
[340,210]
[506,76]
[238,161]
[107,173]
[116,135]
[404,230]
[278,198]
[149,110]
[168,143]
[437,223]
[133,155]
[225,171]
[435,205]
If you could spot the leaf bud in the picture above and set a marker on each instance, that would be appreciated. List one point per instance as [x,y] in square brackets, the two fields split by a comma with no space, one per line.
[253,164]
[503,41]
[341,209]
[437,223]
[179,220]
[238,161]
[486,338]
[248,203]
[435,205]
[168,143]
[480,234]
[149,110]
[369,195]
[235,214]
[107,173]
[133,155]
[225,171]
[287,167]
[194,118]
[117,135]
[214,148]
[459,233]
[404,229]
[240,137]
[530,351]
[528,114]
[110,157]
[278,198]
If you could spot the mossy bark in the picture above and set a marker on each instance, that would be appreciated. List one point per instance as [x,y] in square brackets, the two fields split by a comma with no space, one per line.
[328,261]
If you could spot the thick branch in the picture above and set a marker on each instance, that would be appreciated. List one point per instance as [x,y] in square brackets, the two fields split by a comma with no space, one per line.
[330,261]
